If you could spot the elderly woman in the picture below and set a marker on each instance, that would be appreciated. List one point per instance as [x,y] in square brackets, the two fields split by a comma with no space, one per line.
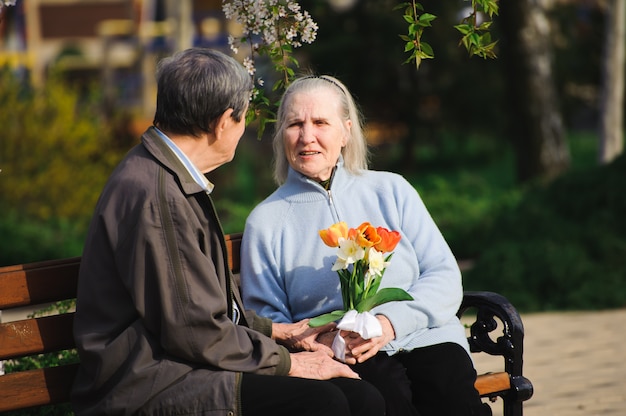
[421,362]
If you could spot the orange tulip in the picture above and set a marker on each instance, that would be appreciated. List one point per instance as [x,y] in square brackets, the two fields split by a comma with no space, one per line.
[388,240]
[367,236]
[332,234]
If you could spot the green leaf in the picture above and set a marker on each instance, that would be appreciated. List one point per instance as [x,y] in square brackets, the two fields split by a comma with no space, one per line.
[491,7]
[326,318]
[344,276]
[464,29]
[428,50]
[485,26]
[401,5]
[426,18]
[388,294]
[409,19]
[474,39]
[410,59]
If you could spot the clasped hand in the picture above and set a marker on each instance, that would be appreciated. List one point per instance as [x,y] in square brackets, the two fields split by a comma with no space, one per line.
[300,336]
[359,349]
[314,359]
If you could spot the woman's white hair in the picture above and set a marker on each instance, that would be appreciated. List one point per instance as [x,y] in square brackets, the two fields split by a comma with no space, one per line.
[355,153]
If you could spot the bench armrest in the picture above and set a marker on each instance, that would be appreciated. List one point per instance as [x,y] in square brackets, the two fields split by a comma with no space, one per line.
[487,307]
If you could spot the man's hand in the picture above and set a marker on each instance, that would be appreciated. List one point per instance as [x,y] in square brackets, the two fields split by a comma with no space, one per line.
[363,349]
[327,337]
[319,366]
[300,336]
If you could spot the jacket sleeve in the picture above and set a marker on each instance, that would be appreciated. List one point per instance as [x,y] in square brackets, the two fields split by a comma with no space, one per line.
[435,283]
[262,283]
[259,323]
[178,283]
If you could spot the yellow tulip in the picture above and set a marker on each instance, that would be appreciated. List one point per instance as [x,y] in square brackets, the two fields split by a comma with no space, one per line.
[332,234]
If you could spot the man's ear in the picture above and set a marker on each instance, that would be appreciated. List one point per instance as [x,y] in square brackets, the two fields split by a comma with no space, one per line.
[224,120]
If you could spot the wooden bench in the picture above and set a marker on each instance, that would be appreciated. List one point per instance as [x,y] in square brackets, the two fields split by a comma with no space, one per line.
[29,285]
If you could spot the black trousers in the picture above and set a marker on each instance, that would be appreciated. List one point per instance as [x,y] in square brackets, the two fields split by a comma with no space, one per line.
[290,396]
[430,381]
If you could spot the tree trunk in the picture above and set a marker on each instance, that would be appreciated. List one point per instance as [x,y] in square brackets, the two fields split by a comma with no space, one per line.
[536,126]
[612,99]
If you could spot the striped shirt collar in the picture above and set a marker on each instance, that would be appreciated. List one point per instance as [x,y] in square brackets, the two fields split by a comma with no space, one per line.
[191,168]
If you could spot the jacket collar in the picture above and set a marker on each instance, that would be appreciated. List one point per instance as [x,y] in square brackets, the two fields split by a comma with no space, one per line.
[293,175]
[164,155]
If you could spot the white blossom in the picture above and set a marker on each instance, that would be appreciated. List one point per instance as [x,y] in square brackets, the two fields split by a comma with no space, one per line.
[248,63]
[377,264]
[276,22]
[349,253]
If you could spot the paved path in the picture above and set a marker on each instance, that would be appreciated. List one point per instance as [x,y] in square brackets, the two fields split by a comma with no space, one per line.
[576,362]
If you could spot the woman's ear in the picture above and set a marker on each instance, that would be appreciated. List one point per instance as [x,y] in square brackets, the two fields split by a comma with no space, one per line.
[346,137]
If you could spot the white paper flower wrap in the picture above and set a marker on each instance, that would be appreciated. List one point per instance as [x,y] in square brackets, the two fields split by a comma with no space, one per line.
[364,323]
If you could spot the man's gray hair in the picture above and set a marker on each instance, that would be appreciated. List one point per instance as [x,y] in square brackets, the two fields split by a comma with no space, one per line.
[195,87]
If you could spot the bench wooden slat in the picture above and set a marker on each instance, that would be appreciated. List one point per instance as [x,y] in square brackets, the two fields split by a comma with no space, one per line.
[36,387]
[490,383]
[40,282]
[36,336]
[233,245]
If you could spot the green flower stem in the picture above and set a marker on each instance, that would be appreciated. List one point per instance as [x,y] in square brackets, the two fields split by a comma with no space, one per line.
[353,286]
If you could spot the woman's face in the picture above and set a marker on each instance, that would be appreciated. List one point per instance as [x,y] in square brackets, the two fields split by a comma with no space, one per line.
[314,132]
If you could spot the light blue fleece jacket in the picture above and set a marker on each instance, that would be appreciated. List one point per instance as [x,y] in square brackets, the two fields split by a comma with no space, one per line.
[286,268]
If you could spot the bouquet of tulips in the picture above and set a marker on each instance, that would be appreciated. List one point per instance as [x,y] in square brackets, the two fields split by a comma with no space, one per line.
[360,264]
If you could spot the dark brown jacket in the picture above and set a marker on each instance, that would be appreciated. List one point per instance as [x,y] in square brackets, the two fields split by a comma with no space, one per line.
[155,294]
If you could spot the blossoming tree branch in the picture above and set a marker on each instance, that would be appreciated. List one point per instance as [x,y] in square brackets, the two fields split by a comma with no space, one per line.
[274,28]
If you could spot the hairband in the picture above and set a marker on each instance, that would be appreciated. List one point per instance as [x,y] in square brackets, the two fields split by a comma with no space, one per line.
[327,80]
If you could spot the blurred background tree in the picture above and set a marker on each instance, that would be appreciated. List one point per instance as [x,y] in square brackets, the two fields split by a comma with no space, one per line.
[56,152]
[536,125]
[612,94]
[504,151]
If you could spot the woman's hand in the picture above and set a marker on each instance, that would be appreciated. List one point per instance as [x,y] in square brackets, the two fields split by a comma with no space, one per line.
[363,349]
[300,336]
